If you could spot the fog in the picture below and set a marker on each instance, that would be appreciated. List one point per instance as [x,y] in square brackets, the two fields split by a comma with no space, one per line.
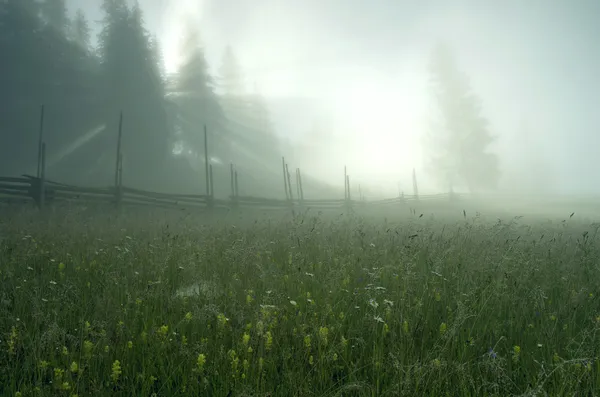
[348,83]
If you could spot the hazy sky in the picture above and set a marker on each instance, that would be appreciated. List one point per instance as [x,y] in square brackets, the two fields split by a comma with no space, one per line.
[536,61]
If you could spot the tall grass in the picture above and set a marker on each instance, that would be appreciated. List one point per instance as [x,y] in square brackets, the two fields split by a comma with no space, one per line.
[311,306]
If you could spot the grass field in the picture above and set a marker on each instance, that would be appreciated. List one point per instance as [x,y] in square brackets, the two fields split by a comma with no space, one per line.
[319,306]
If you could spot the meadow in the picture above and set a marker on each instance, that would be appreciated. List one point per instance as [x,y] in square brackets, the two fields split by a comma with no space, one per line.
[310,305]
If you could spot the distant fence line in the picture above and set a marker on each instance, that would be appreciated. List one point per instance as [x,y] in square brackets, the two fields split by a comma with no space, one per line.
[43,192]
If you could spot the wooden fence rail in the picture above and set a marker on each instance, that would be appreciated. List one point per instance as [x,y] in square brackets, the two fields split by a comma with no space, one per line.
[27,189]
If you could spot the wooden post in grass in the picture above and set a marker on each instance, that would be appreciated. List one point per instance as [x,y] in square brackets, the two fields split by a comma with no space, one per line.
[297,185]
[237,186]
[300,184]
[232,181]
[285,184]
[42,180]
[212,187]
[415,186]
[348,184]
[345,183]
[289,180]
[119,165]
[40,140]
[206,162]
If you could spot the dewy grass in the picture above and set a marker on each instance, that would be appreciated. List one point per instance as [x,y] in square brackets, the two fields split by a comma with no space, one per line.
[311,306]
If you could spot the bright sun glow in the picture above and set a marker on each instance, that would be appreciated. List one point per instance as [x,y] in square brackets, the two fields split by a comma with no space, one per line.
[381,128]
[176,15]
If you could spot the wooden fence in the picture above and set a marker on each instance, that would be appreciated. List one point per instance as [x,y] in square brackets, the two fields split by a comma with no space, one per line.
[43,192]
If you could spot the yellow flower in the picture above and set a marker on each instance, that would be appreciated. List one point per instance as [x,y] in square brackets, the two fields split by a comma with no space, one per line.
[245,339]
[307,342]
[58,375]
[116,371]
[87,326]
[106,349]
[516,353]
[269,341]
[61,266]
[222,320]
[65,351]
[200,362]
[12,341]
[344,341]
[163,331]
[443,328]
[552,317]
[323,334]
[250,350]
[438,297]
[386,329]
[188,316]
[130,345]
[311,360]
[138,301]
[74,367]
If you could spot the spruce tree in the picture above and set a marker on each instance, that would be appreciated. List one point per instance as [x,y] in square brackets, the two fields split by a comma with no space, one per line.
[460,143]
[81,30]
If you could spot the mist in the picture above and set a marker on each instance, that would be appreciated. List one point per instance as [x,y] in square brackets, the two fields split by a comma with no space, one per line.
[337,84]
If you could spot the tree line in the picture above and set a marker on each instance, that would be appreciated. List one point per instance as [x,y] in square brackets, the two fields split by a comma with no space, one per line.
[48,59]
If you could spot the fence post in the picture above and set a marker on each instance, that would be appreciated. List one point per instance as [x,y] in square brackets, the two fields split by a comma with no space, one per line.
[415,186]
[289,179]
[119,165]
[207,176]
[285,184]
[40,142]
[237,187]
[212,187]
[300,184]
[345,183]
[42,180]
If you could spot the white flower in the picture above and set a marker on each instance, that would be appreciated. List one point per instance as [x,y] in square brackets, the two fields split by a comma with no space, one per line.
[373,303]
[293,303]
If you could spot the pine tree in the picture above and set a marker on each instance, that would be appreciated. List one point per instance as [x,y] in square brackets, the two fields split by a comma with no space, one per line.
[460,143]
[197,102]
[55,14]
[134,86]
[81,30]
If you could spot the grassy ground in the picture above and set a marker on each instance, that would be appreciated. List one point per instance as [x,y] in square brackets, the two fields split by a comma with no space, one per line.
[318,306]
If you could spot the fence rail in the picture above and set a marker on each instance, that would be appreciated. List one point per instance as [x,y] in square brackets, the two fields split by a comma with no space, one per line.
[28,189]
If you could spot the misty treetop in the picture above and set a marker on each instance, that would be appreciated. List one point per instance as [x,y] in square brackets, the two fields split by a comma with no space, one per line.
[459,142]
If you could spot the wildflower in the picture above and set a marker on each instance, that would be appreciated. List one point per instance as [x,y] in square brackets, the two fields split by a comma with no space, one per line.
[556,358]
[12,340]
[552,317]
[138,302]
[163,330]
[43,364]
[250,350]
[323,334]
[293,303]
[106,349]
[65,351]
[130,345]
[443,328]
[269,341]
[492,353]
[87,327]
[307,342]
[116,371]
[65,386]
[200,361]
[373,303]
[344,341]
[74,367]
[18,394]
[249,298]
[58,375]
[184,340]
[437,363]
[61,266]
[87,348]
[188,317]
[516,353]
[335,357]
[311,360]
[222,320]
[438,297]
[144,336]
[386,329]
[245,339]
[341,316]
